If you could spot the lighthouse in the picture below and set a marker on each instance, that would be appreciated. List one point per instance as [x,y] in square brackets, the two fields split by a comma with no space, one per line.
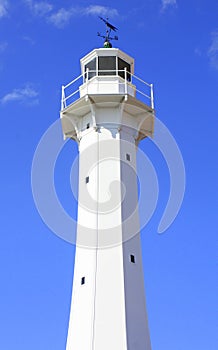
[107,114]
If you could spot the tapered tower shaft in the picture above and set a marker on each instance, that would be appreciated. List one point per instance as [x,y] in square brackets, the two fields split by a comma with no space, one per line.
[108,308]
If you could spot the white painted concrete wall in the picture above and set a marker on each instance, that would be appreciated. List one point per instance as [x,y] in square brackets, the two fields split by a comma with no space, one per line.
[108,311]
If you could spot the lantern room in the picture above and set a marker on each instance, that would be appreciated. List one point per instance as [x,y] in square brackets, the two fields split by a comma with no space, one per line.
[107,71]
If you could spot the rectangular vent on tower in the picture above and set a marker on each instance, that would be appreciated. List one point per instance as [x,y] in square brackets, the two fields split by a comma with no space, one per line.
[132,258]
[128,157]
[82,280]
[87,179]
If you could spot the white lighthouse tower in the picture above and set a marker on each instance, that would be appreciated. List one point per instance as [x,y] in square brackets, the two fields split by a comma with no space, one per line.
[107,118]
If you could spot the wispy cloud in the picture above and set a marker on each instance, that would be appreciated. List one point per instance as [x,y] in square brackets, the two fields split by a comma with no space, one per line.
[100,10]
[3,46]
[27,95]
[198,51]
[62,17]
[168,3]
[28,39]
[3,8]
[213,50]
[39,8]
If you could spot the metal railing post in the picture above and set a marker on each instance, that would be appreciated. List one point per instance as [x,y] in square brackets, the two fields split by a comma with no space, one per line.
[152,96]
[125,76]
[87,80]
[62,98]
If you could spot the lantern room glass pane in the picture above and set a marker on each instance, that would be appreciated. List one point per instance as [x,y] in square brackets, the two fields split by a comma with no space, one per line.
[121,66]
[91,66]
[106,65]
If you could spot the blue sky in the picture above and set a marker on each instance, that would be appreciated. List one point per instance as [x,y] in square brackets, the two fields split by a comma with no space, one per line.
[175,46]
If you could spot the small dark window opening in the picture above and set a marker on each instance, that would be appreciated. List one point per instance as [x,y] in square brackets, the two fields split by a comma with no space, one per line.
[82,280]
[91,66]
[87,125]
[87,179]
[121,66]
[106,65]
[132,259]
[128,157]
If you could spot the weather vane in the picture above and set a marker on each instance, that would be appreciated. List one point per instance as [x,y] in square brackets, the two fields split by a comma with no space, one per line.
[107,37]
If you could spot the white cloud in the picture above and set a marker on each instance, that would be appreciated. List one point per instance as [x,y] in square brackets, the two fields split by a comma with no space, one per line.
[63,16]
[168,3]
[39,8]
[27,94]
[100,10]
[213,50]
[3,8]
